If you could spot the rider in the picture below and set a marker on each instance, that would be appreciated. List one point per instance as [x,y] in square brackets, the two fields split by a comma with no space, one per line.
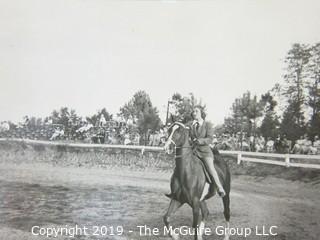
[201,134]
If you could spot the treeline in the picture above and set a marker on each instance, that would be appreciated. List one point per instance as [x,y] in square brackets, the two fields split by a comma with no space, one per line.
[298,97]
[291,108]
[138,112]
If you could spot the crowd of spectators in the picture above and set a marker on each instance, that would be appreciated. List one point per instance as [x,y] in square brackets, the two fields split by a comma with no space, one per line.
[103,132]
[112,132]
[280,144]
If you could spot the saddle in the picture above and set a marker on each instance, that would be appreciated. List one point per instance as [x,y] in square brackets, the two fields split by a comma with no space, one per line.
[212,186]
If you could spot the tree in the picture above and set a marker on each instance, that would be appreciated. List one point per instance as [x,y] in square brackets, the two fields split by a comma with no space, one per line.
[269,126]
[183,107]
[238,121]
[313,85]
[295,79]
[149,119]
[139,103]
[140,110]
[292,124]
[74,119]
[68,118]
[270,123]
[297,58]
[35,122]
[94,119]
[268,102]
[245,112]
[254,111]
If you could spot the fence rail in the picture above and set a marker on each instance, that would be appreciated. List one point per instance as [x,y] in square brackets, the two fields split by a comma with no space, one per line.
[282,159]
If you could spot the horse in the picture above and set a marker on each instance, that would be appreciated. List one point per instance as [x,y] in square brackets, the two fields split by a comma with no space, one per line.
[189,182]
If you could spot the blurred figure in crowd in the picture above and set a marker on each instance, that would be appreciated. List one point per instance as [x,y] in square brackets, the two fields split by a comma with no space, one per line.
[270,145]
[102,121]
[136,139]
[316,144]
[58,133]
[151,138]
[127,140]
[156,139]
[4,126]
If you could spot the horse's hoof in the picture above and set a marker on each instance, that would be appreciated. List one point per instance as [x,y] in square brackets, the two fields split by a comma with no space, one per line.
[175,236]
[226,237]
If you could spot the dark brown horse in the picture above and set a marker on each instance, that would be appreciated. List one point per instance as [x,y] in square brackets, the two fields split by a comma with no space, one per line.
[189,183]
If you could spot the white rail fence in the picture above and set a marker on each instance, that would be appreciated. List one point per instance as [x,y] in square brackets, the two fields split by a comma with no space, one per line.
[288,160]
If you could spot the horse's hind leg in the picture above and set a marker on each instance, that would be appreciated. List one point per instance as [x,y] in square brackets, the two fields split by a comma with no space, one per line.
[173,207]
[226,212]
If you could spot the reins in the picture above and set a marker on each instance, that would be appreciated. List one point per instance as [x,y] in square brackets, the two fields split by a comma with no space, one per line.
[175,145]
[175,150]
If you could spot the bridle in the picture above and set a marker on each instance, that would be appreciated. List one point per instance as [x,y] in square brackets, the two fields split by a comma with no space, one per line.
[173,142]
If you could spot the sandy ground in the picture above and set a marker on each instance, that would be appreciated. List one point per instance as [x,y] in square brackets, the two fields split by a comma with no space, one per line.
[49,196]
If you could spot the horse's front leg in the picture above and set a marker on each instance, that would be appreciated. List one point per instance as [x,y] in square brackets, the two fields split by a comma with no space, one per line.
[205,215]
[173,207]
[196,220]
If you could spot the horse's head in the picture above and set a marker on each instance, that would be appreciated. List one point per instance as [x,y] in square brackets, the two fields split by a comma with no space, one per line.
[178,135]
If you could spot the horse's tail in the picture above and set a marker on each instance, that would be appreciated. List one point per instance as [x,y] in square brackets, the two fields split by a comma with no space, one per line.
[224,168]
[227,183]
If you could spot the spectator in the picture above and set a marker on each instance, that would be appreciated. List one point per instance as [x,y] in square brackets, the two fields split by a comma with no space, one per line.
[127,140]
[286,144]
[84,128]
[58,133]
[156,139]
[306,141]
[251,142]
[297,148]
[260,143]
[270,145]
[245,145]
[136,139]
[316,144]
[215,139]
[151,139]
[102,121]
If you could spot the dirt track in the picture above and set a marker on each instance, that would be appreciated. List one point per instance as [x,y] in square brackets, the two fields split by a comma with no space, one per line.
[55,196]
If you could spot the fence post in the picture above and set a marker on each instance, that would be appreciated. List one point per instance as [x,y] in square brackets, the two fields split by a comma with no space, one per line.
[239,158]
[287,160]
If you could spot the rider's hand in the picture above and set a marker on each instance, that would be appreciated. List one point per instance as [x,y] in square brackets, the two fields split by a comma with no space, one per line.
[196,141]
[166,147]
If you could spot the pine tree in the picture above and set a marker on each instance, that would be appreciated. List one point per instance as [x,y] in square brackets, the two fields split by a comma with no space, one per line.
[313,73]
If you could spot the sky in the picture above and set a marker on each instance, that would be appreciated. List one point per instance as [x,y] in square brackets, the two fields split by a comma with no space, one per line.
[90,54]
